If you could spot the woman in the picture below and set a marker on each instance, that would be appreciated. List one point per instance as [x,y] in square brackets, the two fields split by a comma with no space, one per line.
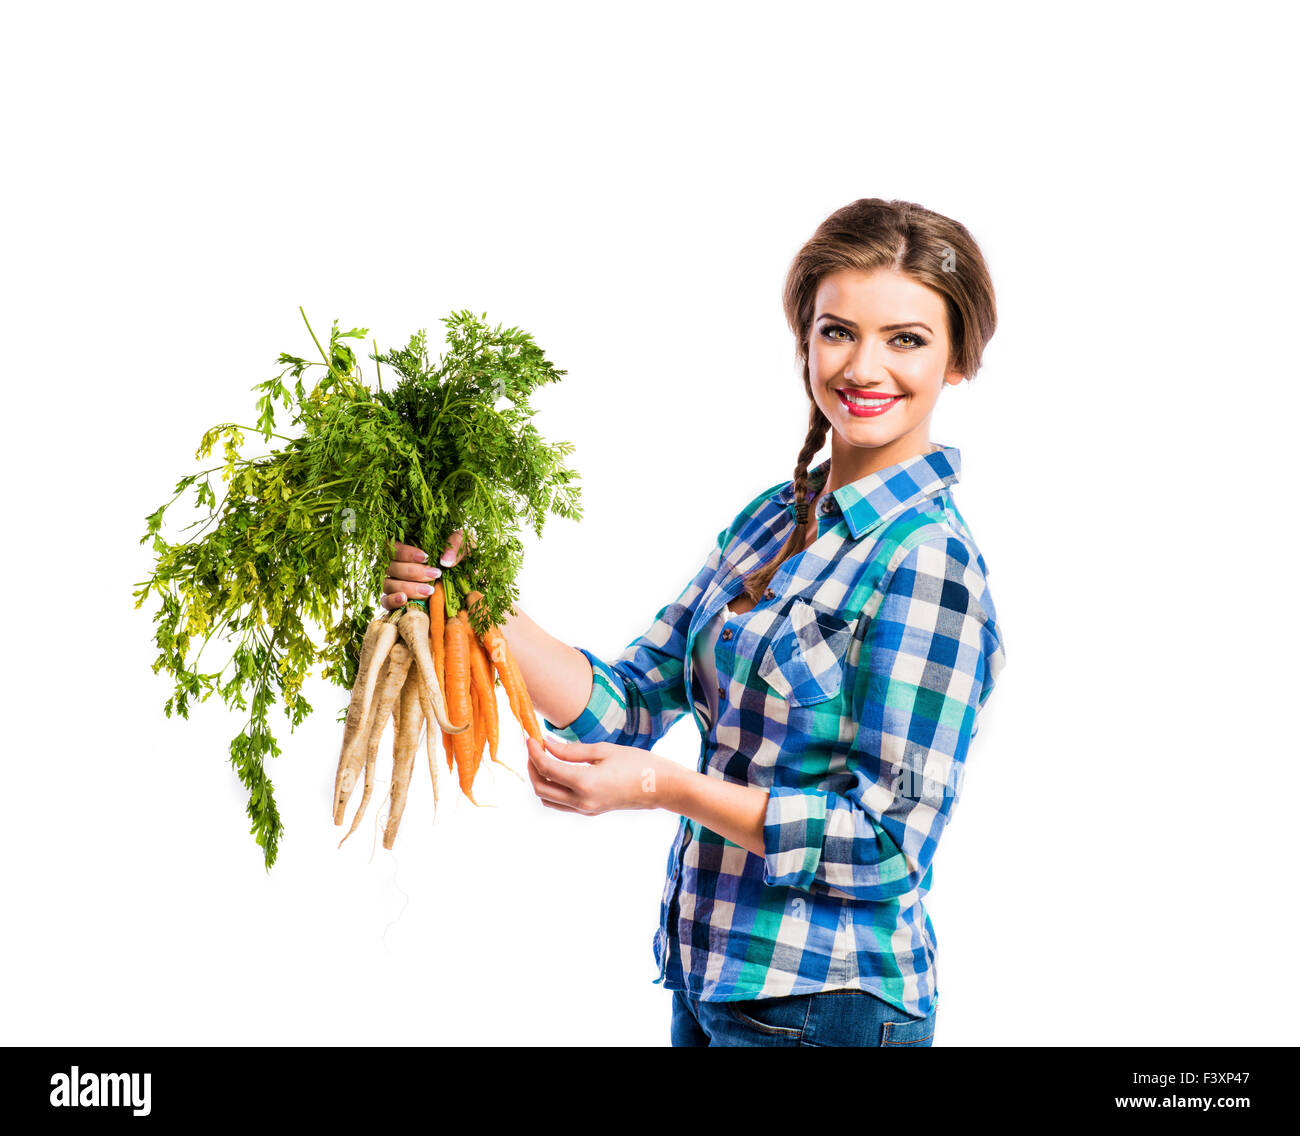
[835,649]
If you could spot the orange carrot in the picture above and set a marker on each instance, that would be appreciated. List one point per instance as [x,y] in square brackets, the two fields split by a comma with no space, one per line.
[476,707]
[480,730]
[438,643]
[485,684]
[521,705]
[437,620]
[459,699]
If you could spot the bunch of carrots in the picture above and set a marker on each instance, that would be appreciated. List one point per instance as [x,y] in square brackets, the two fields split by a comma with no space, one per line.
[408,659]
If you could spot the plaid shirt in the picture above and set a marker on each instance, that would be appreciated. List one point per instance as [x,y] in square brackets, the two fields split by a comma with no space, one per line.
[851,693]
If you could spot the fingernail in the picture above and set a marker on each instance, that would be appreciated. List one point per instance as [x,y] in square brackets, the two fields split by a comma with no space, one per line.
[434,573]
[424,556]
[424,589]
[447,559]
[400,598]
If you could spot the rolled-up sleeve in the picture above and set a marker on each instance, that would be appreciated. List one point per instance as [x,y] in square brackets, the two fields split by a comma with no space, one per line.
[929,659]
[636,697]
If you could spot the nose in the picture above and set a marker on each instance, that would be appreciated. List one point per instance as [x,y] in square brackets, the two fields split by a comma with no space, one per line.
[861,365]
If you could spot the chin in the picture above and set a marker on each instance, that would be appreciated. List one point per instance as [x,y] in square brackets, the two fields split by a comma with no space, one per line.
[871,439]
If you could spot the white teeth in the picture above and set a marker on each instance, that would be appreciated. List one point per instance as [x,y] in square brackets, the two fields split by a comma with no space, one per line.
[858,401]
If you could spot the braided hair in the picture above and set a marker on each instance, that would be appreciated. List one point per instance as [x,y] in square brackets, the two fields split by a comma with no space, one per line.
[818,427]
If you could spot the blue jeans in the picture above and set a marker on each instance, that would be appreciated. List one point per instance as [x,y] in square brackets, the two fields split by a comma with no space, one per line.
[831,1017]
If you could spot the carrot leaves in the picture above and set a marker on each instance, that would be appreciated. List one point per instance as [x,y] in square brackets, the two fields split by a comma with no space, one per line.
[291,545]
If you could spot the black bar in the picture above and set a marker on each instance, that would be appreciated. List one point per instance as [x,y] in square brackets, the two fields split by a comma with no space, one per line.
[366,1084]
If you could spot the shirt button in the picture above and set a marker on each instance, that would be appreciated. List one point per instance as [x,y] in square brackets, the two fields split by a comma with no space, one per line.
[769,594]
[721,693]
[726,632]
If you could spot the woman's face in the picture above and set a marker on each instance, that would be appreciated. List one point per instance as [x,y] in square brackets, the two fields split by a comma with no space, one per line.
[877,360]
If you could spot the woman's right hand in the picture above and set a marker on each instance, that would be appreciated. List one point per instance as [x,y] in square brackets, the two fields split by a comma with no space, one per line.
[410,576]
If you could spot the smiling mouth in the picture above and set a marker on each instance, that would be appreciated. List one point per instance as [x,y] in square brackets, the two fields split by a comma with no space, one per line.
[867,406]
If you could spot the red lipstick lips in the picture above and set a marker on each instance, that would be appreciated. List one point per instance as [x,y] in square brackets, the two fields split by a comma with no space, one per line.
[876,404]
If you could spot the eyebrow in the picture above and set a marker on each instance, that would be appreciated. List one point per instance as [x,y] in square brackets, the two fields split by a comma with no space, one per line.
[884,327]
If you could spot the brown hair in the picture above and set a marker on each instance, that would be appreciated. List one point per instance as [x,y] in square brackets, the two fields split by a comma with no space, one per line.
[867,234]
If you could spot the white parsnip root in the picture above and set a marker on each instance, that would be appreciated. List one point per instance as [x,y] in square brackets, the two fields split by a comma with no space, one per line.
[371,727]
[381,634]
[405,743]
[399,663]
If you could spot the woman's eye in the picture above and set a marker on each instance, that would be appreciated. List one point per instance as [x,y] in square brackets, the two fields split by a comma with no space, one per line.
[829,332]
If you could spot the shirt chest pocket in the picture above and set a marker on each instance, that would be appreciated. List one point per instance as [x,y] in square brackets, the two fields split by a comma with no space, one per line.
[804,658]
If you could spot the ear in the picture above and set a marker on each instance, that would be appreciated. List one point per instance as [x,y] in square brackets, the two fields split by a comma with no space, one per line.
[952,378]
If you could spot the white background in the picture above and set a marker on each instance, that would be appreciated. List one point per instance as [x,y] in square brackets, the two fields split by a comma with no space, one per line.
[629,185]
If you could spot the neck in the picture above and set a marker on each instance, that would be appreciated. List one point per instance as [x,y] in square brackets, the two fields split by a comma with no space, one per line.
[850,463]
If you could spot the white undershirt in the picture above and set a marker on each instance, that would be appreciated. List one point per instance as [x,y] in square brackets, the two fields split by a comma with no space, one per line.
[702,657]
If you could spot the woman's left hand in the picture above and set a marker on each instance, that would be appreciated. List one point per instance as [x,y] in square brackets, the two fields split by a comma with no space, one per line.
[595,778]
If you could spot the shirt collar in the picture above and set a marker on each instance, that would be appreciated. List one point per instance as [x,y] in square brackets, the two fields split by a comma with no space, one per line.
[874,499]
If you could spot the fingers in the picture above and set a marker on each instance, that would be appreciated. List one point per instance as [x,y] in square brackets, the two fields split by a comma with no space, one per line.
[546,788]
[411,574]
[397,592]
[557,807]
[455,552]
[403,572]
[451,554]
[408,552]
[574,751]
[408,579]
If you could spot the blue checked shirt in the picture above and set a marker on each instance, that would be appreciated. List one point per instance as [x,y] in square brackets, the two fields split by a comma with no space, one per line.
[851,693]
